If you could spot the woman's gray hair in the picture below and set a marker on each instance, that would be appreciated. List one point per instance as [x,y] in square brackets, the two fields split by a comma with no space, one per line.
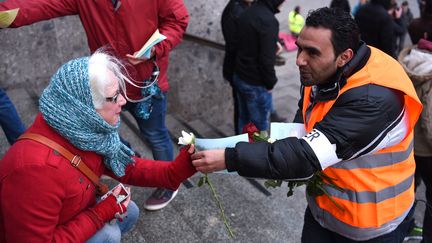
[99,64]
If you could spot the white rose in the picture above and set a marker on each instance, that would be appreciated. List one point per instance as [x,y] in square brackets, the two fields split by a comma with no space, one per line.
[186,138]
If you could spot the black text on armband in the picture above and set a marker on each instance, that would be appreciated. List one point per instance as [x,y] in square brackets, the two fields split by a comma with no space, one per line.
[312,135]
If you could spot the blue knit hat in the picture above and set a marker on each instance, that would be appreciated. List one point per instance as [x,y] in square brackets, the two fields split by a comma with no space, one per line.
[67,106]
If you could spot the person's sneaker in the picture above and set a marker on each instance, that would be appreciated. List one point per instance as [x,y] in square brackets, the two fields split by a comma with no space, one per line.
[274,117]
[159,199]
[415,234]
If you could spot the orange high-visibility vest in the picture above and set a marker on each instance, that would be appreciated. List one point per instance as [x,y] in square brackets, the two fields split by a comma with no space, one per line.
[378,187]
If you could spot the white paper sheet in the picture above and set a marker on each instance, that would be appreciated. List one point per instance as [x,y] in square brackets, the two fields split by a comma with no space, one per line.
[220,143]
[280,130]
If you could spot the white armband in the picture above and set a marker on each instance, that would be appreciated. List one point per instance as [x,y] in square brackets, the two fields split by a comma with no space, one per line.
[323,149]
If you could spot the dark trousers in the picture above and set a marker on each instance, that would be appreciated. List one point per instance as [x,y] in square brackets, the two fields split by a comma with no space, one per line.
[313,232]
[236,112]
[424,170]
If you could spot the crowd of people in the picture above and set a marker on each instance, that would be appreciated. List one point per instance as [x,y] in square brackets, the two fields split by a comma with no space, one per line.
[360,119]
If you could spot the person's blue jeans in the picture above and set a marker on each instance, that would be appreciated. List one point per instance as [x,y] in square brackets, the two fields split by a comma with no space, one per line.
[424,171]
[254,104]
[153,129]
[9,119]
[314,232]
[113,232]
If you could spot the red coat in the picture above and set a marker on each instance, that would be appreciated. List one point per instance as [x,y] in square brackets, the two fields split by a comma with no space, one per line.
[125,30]
[45,199]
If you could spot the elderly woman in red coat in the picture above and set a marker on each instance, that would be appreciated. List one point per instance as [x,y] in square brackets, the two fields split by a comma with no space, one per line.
[44,198]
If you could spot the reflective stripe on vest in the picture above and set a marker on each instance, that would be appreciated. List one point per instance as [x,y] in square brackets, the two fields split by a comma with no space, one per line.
[378,187]
[375,160]
[328,221]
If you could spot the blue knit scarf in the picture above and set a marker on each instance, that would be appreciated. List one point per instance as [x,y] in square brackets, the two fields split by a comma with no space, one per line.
[67,106]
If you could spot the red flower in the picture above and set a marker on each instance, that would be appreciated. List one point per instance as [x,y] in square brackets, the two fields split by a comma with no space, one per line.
[250,128]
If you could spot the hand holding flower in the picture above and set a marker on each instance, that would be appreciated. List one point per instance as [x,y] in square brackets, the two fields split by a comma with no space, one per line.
[209,161]
[182,167]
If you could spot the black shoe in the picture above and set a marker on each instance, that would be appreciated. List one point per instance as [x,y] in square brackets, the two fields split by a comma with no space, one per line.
[280,61]
[414,234]
[274,117]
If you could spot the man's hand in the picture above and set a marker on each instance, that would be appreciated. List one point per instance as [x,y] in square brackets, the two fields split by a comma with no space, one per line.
[279,48]
[137,60]
[398,13]
[209,161]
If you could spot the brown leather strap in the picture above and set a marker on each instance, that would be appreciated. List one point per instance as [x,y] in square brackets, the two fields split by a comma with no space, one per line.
[75,160]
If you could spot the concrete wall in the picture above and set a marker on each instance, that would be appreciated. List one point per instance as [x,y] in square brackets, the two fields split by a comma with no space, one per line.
[31,54]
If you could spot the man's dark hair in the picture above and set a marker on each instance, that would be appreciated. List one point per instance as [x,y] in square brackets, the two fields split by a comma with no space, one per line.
[345,32]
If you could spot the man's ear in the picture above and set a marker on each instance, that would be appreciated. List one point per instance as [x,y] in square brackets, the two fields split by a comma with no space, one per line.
[344,57]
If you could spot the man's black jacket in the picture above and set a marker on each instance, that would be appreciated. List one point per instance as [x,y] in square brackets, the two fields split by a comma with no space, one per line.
[230,15]
[377,27]
[256,43]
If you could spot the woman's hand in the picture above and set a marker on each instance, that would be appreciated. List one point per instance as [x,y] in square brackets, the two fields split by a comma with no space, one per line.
[209,161]
[181,168]
[116,193]
[108,209]
[191,149]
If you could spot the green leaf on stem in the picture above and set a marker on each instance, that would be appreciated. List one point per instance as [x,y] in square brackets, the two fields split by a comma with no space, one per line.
[258,138]
[273,183]
[201,181]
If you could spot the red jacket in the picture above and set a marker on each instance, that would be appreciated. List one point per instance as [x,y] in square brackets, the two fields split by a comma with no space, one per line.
[45,199]
[125,30]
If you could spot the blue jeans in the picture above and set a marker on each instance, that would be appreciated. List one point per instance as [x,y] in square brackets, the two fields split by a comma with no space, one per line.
[9,119]
[153,129]
[254,104]
[314,232]
[113,232]
[424,171]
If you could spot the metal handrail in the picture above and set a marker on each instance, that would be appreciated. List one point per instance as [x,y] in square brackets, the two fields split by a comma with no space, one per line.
[203,41]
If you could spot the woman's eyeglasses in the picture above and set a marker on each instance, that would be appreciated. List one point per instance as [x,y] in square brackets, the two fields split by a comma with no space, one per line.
[114,98]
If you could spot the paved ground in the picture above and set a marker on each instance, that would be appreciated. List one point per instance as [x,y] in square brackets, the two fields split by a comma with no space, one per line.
[255,215]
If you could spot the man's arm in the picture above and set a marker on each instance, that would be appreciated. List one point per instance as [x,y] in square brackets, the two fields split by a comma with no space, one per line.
[173,20]
[356,125]
[38,10]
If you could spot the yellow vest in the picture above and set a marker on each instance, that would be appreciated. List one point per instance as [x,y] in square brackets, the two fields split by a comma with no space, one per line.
[378,187]
[296,22]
